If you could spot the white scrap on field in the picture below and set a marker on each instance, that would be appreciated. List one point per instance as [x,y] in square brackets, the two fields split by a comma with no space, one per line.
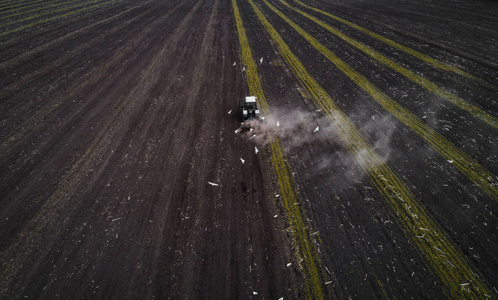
[243,69]
[328,282]
[274,216]
[237,131]
[243,161]
[234,63]
[316,129]
[250,130]
[281,298]
[230,112]
[256,149]
[278,123]
[277,195]
[289,264]
[213,184]
[261,60]
[254,293]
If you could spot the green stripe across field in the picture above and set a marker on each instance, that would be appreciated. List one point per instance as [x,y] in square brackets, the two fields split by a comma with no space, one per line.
[452,267]
[462,161]
[431,87]
[311,264]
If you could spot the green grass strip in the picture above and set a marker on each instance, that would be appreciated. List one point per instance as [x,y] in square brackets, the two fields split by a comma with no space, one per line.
[313,273]
[417,54]
[447,262]
[487,181]
[431,87]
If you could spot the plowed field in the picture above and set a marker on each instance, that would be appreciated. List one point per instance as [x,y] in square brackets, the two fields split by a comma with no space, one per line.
[373,173]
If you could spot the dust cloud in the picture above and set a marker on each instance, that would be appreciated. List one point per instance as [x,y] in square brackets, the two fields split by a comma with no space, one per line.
[314,141]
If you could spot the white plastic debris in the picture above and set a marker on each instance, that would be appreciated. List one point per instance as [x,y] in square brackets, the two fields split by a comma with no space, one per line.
[274,216]
[230,112]
[277,195]
[234,63]
[281,298]
[250,130]
[278,123]
[243,69]
[237,131]
[316,129]
[243,161]
[261,60]
[214,184]
[256,149]
[289,264]
[328,282]
[254,293]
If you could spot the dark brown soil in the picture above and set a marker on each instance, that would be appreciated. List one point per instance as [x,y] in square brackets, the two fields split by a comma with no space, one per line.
[107,157]
[121,175]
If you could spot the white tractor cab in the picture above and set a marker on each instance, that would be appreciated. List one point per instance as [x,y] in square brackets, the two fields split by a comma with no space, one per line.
[249,108]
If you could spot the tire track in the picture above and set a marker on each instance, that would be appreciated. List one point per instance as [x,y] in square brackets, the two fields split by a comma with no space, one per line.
[68,56]
[17,255]
[21,131]
[453,270]
[52,43]
[313,273]
[55,17]
[47,13]
[30,11]
[6,6]
[86,85]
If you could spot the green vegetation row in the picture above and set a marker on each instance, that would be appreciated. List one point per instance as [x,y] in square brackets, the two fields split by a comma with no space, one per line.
[313,272]
[452,268]
[462,161]
[431,87]
[436,63]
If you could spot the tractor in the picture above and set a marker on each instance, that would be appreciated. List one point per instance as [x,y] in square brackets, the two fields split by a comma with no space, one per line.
[249,108]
